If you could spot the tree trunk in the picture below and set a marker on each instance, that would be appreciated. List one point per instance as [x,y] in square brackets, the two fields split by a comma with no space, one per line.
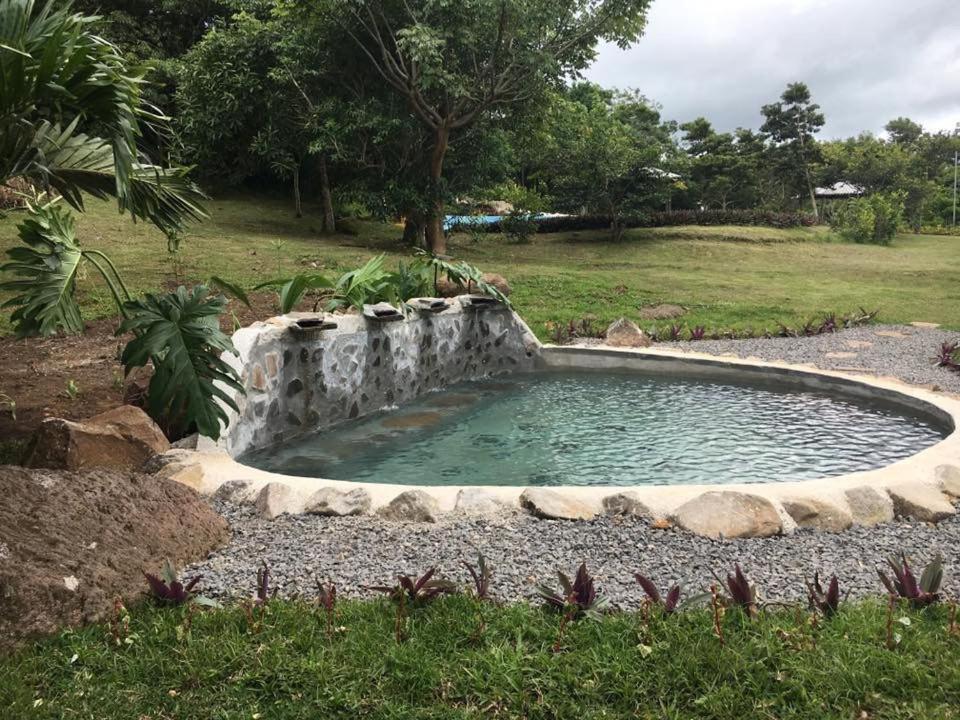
[813,195]
[413,229]
[806,172]
[329,219]
[297,204]
[436,240]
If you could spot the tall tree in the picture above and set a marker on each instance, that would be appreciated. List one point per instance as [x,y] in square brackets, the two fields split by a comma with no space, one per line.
[791,124]
[605,153]
[904,131]
[458,63]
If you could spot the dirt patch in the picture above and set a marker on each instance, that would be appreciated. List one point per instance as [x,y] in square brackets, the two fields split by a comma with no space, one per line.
[35,372]
[661,312]
[72,542]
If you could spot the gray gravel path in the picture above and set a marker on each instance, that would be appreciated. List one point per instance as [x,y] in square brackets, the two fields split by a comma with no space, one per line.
[904,352]
[357,552]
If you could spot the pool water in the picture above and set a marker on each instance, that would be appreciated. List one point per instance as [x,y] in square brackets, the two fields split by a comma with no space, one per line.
[606,429]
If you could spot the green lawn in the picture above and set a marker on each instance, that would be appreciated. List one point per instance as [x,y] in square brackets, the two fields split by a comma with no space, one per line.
[463,659]
[727,276]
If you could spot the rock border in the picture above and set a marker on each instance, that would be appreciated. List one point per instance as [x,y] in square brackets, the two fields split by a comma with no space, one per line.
[925,486]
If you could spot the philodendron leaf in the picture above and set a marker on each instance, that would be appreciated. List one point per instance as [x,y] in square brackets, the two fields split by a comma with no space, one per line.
[180,333]
[45,268]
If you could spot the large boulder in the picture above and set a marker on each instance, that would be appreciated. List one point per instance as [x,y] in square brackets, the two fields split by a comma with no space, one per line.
[729,514]
[338,503]
[71,542]
[412,506]
[626,503]
[495,207]
[121,439]
[476,501]
[922,502]
[948,478]
[551,505]
[276,499]
[818,514]
[445,288]
[625,333]
[869,506]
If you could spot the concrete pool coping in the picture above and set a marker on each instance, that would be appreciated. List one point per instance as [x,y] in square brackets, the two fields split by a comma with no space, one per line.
[922,486]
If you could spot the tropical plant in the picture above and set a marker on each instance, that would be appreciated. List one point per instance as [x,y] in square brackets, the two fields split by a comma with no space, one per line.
[460,274]
[579,598]
[669,603]
[169,589]
[46,267]
[740,593]
[827,601]
[904,583]
[59,78]
[481,574]
[180,333]
[365,285]
[417,590]
[262,594]
[947,355]
[411,280]
[327,598]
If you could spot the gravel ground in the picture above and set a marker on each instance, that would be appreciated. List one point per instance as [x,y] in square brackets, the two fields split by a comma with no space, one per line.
[911,358]
[357,552]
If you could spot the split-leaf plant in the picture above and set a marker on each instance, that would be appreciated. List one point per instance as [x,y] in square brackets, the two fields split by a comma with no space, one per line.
[57,75]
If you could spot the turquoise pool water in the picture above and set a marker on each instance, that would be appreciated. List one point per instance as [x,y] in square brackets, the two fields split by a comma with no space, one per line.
[606,429]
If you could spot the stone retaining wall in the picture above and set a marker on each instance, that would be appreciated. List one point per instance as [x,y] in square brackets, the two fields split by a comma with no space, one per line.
[301,380]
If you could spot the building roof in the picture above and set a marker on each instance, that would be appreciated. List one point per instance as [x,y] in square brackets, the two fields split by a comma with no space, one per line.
[840,189]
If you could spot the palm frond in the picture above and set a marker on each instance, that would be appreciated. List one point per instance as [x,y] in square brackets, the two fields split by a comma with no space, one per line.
[56,73]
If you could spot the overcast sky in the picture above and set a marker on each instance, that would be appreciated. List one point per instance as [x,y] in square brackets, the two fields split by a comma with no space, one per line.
[866,61]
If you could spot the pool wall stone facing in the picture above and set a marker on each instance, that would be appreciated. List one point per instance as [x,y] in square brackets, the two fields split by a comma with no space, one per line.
[301,380]
[924,487]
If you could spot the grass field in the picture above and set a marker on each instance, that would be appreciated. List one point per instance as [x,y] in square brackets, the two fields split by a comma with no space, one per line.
[728,277]
[464,659]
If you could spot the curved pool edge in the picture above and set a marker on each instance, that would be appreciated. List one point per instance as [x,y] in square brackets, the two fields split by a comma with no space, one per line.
[923,486]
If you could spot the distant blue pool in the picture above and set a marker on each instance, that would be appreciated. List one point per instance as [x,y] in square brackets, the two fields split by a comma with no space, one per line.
[451,220]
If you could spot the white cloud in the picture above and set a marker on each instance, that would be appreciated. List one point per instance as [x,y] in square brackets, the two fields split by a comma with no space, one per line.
[866,61]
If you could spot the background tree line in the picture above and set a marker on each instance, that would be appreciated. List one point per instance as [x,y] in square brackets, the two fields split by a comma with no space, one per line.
[400,111]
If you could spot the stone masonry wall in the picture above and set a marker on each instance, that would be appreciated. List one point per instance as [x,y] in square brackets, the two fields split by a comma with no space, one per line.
[300,381]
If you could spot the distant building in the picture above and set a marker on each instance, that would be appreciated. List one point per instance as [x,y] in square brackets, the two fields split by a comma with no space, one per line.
[838,191]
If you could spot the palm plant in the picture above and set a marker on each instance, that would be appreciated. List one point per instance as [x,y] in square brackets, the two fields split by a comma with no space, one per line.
[59,82]
[71,119]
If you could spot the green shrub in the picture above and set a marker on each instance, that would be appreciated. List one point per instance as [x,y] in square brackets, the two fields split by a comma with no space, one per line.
[672,218]
[519,226]
[870,220]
